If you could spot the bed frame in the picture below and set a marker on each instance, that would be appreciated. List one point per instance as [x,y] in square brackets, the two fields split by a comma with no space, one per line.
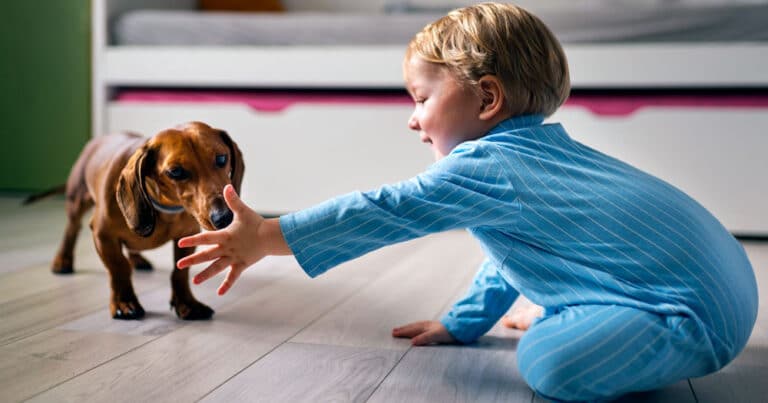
[718,67]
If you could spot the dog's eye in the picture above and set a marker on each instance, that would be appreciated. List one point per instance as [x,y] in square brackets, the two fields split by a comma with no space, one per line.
[221,160]
[177,173]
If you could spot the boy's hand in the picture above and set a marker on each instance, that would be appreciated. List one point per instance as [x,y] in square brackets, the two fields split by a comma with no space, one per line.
[424,332]
[237,246]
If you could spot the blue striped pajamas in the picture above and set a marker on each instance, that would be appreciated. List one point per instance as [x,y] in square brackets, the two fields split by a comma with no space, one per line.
[641,285]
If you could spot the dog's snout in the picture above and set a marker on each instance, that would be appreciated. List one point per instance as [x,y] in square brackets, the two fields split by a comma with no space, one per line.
[220,218]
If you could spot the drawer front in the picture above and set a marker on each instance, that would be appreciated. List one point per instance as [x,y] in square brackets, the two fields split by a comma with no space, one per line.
[714,153]
[301,154]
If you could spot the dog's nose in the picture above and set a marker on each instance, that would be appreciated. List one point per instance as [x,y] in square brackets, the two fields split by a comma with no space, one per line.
[220,218]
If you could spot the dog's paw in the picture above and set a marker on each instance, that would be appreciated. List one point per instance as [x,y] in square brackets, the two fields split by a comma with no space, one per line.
[62,265]
[126,310]
[62,270]
[139,262]
[193,310]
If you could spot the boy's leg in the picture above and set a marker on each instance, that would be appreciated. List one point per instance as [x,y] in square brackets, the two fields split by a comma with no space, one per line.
[594,352]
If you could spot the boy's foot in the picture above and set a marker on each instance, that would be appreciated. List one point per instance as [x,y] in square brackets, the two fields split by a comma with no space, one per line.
[522,314]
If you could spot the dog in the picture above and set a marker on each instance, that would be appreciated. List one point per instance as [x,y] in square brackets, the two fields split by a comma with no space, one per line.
[145,192]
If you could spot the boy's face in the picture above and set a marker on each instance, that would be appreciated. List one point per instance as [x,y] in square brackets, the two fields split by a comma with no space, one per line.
[446,112]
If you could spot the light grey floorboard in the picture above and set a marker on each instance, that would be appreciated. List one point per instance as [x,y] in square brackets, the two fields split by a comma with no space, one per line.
[187,363]
[278,335]
[485,371]
[297,372]
[348,337]
[39,362]
[417,287]
[56,355]
[86,293]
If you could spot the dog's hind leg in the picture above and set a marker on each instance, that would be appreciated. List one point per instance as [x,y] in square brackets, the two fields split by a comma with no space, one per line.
[123,303]
[78,202]
[182,300]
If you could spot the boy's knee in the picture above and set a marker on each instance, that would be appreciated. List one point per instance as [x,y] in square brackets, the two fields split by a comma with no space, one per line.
[551,379]
[552,383]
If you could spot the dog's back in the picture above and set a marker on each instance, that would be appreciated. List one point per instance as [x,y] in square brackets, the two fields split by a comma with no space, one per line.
[97,156]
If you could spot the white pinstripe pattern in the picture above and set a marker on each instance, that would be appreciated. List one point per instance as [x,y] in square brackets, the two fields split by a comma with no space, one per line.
[722,295]
[584,336]
[607,361]
[657,246]
[567,224]
[553,324]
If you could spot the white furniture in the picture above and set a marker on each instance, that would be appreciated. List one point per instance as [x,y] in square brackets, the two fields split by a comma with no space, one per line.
[309,152]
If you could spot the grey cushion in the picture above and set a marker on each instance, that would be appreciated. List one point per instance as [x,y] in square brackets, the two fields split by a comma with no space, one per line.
[642,23]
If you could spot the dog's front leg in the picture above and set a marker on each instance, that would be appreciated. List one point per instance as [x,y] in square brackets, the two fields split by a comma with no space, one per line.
[182,300]
[123,303]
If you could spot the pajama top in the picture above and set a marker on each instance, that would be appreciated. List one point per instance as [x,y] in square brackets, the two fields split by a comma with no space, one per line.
[559,222]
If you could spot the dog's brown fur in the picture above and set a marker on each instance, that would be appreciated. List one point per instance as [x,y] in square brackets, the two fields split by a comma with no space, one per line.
[120,175]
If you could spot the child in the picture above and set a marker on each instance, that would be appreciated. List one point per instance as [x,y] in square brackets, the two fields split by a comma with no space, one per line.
[641,286]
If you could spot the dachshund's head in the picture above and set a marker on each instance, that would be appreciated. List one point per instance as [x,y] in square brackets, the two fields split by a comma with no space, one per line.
[180,169]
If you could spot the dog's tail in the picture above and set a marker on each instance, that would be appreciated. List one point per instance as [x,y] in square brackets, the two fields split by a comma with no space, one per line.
[46,193]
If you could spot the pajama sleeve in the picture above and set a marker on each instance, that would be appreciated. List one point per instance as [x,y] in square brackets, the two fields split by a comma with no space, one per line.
[467,188]
[487,300]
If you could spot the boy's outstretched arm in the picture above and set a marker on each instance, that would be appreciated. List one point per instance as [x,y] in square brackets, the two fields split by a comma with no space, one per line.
[244,242]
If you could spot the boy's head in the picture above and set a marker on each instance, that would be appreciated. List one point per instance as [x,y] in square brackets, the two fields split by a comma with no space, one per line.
[504,41]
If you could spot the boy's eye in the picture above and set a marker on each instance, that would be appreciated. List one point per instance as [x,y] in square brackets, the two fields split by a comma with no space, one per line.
[221,160]
[177,173]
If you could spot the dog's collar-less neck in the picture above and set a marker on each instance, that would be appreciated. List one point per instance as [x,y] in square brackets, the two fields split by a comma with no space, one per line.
[165,208]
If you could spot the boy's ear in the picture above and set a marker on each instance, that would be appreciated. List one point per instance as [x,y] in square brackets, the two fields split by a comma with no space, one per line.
[492,96]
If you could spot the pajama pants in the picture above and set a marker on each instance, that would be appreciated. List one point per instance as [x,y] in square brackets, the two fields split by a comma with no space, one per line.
[596,352]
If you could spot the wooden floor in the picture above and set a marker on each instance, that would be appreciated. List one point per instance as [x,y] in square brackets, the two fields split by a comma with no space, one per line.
[278,336]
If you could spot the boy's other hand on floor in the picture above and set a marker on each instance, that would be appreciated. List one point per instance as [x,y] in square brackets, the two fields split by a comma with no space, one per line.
[424,333]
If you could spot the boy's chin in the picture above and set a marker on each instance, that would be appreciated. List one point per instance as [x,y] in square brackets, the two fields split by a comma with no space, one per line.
[438,155]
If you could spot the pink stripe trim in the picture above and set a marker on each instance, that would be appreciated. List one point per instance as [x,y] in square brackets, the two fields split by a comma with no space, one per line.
[261,101]
[615,105]
[604,105]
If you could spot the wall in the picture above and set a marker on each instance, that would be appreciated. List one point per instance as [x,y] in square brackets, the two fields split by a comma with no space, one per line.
[44,91]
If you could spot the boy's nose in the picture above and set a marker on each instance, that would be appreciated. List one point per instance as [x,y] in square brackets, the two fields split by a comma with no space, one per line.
[413,123]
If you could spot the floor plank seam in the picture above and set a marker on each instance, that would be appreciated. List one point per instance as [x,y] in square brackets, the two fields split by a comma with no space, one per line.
[182,325]
[287,340]
[92,368]
[690,385]
[55,325]
[384,378]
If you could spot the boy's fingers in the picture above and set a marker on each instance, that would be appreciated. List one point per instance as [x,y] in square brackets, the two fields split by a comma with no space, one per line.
[233,200]
[212,270]
[423,339]
[409,330]
[203,238]
[200,257]
[229,281]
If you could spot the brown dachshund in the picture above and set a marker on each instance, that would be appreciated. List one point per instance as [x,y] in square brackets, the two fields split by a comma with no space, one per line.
[146,192]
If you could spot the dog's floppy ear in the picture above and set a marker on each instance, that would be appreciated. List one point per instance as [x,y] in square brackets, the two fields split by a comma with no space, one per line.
[131,195]
[238,166]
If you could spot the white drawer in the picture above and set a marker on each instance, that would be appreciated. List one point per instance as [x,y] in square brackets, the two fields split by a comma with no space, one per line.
[301,155]
[308,152]
[715,153]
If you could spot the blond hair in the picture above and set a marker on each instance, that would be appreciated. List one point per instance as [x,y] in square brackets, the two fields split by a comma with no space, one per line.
[501,40]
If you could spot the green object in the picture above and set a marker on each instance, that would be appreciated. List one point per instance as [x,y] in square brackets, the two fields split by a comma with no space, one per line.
[44,91]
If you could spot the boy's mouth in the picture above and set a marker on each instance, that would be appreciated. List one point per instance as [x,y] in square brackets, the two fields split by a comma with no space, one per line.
[425,139]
